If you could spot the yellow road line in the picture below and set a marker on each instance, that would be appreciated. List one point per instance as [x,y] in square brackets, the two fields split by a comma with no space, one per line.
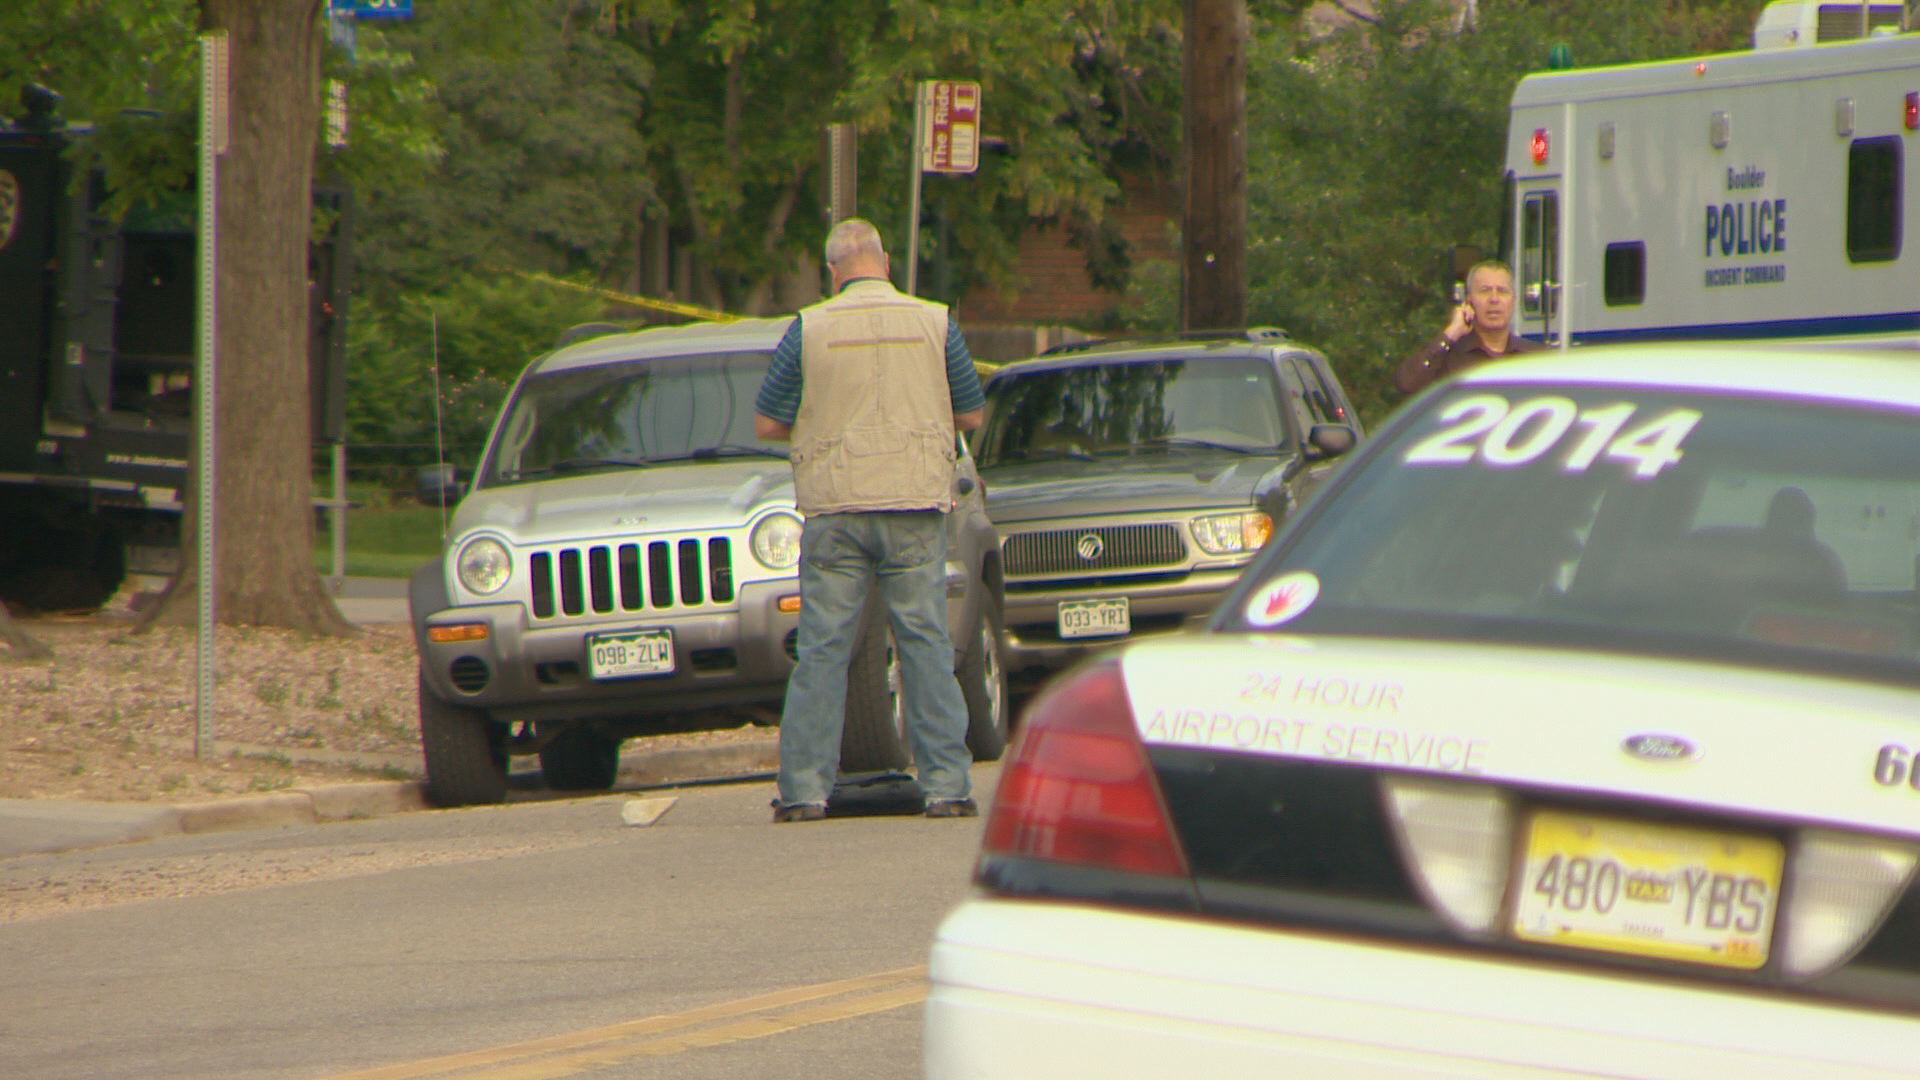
[570,1053]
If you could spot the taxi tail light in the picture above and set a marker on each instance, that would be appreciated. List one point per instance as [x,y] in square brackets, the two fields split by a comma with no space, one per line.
[1077,787]
[1456,840]
[1838,889]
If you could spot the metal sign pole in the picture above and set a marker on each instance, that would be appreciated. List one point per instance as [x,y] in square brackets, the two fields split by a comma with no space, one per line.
[913,212]
[213,142]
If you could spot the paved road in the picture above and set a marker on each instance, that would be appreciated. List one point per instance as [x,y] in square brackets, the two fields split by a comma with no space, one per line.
[551,939]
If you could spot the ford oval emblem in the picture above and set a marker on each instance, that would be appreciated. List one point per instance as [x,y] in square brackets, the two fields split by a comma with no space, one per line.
[1652,747]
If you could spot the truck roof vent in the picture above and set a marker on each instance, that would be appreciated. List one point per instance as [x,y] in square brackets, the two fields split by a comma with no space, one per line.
[1787,24]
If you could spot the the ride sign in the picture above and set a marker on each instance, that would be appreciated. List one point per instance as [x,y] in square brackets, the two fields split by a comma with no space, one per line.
[950,132]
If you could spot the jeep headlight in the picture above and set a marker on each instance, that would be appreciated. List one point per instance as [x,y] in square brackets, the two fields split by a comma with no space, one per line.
[484,566]
[1232,534]
[776,541]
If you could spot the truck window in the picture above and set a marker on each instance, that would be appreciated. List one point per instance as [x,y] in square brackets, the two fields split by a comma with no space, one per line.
[1540,254]
[1625,274]
[1873,199]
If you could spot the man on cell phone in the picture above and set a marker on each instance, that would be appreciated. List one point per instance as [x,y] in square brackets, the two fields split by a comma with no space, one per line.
[1480,330]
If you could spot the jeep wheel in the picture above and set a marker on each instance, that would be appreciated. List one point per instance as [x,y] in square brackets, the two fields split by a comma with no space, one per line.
[580,759]
[874,736]
[465,752]
[983,682]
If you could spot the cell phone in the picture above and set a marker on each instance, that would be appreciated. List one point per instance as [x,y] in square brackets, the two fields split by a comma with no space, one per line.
[1459,292]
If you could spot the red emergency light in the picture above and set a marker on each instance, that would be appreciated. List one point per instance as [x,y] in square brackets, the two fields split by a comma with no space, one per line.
[1913,109]
[1541,144]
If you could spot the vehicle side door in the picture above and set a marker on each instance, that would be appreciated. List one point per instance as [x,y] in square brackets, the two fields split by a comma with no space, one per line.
[1310,404]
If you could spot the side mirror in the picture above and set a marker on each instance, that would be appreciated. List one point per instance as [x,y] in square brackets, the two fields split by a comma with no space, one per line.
[1329,441]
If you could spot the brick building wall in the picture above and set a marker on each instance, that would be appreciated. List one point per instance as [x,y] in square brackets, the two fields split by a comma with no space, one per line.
[1053,286]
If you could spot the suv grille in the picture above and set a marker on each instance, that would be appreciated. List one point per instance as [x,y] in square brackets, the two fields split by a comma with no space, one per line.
[1115,547]
[630,577]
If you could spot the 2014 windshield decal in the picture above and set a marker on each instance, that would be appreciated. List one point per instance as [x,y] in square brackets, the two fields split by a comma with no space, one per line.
[1506,434]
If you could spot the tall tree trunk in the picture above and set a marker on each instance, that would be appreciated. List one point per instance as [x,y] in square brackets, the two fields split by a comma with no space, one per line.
[1213,276]
[263,483]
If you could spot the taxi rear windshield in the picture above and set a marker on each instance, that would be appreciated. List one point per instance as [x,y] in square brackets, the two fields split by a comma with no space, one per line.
[1760,529]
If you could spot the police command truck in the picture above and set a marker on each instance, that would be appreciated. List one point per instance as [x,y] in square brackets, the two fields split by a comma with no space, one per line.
[1759,194]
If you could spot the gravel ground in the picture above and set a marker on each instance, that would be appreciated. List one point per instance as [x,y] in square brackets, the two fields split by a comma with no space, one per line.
[114,716]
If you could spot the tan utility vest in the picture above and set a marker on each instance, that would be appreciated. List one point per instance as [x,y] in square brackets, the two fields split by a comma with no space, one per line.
[875,426]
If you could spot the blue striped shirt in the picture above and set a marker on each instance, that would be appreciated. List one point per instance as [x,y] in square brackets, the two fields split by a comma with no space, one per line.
[780,394]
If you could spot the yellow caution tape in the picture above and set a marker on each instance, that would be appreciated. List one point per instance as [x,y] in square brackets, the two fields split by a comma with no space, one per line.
[673,306]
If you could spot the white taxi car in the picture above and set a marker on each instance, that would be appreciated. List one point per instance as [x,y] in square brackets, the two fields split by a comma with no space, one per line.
[1573,730]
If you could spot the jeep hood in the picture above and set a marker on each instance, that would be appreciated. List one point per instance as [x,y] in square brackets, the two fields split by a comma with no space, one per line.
[649,499]
[1177,481]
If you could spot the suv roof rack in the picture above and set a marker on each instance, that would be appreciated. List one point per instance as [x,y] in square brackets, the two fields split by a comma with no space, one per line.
[1251,333]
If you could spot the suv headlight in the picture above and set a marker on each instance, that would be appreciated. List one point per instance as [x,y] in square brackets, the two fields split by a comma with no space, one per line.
[484,566]
[1232,534]
[776,541]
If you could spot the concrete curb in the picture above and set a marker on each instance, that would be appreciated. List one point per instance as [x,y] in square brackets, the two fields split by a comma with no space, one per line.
[335,802]
[31,826]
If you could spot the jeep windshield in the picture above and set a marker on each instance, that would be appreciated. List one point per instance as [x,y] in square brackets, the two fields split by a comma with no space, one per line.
[632,415]
[1122,408]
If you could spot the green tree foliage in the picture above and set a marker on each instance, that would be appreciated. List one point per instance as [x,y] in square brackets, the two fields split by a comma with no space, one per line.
[467,340]
[539,165]
[128,68]
[1070,91]
[1375,148]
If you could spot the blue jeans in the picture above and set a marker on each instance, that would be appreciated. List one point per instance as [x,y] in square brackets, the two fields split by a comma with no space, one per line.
[904,554]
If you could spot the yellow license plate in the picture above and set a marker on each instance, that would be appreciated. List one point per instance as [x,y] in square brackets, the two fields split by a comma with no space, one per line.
[1697,895]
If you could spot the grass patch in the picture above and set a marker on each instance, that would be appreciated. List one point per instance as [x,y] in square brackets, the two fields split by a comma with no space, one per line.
[383,541]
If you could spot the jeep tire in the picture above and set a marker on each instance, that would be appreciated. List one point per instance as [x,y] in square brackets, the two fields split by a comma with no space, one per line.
[465,752]
[873,739]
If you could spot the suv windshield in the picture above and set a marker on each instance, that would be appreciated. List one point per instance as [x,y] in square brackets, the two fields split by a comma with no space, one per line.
[1757,530]
[637,413]
[1095,409]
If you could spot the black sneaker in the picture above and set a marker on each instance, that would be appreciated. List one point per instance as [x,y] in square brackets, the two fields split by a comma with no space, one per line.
[800,811]
[953,808]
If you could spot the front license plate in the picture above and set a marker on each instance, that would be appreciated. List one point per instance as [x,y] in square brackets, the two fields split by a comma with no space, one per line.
[628,653]
[1094,618]
[1649,890]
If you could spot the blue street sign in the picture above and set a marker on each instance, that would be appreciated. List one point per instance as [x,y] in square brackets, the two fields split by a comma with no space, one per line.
[373,9]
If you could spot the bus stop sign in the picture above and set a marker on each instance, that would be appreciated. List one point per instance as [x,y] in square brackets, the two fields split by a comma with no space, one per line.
[950,139]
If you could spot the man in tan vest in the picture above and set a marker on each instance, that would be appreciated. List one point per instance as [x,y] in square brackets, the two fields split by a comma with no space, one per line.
[871,386]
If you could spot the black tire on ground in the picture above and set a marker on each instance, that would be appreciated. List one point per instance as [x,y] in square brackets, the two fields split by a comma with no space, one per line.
[873,737]
[465,751]
[580,759]
[983,682]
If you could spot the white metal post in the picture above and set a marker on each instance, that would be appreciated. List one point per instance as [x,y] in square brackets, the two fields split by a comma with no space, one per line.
[913,212]
[213,142]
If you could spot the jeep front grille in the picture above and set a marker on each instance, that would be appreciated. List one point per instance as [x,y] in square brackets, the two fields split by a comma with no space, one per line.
[651,575]
[1089,550]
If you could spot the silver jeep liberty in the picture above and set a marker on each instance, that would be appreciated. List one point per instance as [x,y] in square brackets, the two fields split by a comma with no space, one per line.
[625,564]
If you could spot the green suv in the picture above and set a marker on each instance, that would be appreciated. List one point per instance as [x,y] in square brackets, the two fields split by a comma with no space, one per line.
[1130,481]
